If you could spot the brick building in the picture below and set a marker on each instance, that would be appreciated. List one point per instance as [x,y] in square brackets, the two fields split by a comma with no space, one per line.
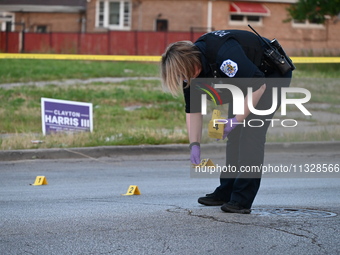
[43,15]
[96,16]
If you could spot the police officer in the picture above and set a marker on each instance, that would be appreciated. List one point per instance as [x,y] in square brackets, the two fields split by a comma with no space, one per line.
[227,54]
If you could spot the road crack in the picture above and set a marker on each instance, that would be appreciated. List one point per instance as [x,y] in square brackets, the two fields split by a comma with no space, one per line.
[310,236]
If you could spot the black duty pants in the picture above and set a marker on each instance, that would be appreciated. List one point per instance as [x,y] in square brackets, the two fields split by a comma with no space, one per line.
[245,147]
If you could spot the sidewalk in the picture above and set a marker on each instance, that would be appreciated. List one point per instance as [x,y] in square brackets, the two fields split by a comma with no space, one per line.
[172,149]
[73,81]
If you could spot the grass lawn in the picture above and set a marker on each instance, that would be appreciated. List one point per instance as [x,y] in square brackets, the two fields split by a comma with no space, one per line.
[125,113]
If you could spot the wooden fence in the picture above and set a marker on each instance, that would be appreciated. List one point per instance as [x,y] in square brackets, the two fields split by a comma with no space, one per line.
[109,43]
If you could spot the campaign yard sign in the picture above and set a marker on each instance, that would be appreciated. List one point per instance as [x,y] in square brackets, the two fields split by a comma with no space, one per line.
[65,116]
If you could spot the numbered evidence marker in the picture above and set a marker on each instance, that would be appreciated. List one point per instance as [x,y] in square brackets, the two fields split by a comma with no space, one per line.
[205,162]
[215,129]
[132,190]
[40,180]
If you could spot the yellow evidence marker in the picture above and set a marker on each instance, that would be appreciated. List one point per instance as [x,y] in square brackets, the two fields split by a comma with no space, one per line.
[40,180]
[132,190]
[215,129]
[204,163]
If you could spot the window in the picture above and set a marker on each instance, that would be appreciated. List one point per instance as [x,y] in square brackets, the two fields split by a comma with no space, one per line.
[161,25]
[101,14]
[242,13]
[236,19]
[113,14]
[41,29]
[254,18]
[6,21]
[306,24]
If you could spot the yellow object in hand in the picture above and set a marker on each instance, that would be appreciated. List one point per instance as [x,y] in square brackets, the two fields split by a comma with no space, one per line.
[215,129]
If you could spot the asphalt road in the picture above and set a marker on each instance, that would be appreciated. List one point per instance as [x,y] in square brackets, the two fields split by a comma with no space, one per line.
[82,209]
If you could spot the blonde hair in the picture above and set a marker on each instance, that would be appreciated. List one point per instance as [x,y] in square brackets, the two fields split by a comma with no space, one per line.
[179,62]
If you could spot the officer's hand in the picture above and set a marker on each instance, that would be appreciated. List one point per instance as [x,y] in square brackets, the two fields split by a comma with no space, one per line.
[195,154]
[229,126]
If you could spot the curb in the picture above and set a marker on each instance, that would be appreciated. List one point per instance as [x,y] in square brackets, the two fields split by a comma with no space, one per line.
[172,149]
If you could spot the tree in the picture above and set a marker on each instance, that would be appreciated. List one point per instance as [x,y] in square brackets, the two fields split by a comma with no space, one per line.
[314,10]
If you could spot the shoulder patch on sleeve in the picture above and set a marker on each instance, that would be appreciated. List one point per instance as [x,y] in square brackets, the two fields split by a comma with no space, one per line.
[229,67]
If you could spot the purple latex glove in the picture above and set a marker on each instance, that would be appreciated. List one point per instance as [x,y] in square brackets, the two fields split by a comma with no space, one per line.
[195,155]
[229,126]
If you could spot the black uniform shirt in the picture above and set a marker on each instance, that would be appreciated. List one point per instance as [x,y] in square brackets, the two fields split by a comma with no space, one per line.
[230,54]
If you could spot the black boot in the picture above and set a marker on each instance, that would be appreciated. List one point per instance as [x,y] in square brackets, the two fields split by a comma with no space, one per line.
[210,200]
[234,207]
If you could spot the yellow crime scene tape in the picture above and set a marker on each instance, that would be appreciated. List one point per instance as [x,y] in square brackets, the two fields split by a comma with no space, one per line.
[297,60]
[315,60]
[80,57]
